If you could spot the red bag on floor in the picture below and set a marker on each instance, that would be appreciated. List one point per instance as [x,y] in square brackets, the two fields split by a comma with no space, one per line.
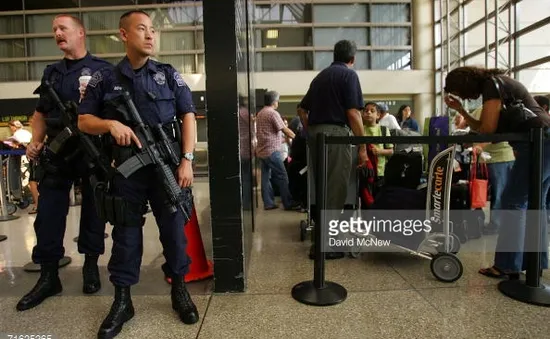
[478,186]
[367,174]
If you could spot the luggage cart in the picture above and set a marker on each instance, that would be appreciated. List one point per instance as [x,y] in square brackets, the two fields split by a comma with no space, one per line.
[352,198]
[440,247]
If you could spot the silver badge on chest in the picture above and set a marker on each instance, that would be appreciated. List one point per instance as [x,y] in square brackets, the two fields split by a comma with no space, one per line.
[86,72]
[160,78]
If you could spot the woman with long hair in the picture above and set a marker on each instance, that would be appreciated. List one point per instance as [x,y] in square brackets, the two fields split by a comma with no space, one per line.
[405,119]
[469,83]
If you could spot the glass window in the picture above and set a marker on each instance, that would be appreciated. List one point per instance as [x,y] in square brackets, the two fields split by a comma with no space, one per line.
[390,36]
[41,23]
[41,4]
[176,41]
[184,64]
[101,21]
[199,40]
[283,37]
[531,11]
[12,48]
[475,39]
[11,25]
[390,13]
[42,47]
[36,69]
[534,45]
[103,44]
[200,64]
[101,3]
[340,13]
[438,57]
[474,11]
[284,61]
[324,59]
[478,60]
[294,13]
[391,60]
[13,71]
[536,79]
[327,37]
[175,16]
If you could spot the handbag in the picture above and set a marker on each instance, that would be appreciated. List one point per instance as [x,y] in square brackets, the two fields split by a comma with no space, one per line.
[478,186]
[514,114]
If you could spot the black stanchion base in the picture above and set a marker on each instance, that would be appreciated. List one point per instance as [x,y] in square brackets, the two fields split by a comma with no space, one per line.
[306,293]
[32,267]
[8,217]
[518,290]
[3,237]
[105,236]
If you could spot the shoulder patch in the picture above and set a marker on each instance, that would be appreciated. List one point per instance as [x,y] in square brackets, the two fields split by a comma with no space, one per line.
[160,78]
[179,79]
[96,79]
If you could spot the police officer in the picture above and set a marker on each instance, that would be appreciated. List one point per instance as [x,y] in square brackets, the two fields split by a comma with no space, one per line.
[160,95]
[54,185]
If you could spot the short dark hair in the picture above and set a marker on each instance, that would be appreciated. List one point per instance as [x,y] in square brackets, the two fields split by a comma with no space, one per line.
[542,101]
[376,106]
[270,97]
[344,51]
[125,16]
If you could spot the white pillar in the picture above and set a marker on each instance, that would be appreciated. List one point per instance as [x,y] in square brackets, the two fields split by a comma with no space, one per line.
[423,55]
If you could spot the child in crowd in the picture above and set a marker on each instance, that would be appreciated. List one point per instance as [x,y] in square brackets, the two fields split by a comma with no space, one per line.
[370,115]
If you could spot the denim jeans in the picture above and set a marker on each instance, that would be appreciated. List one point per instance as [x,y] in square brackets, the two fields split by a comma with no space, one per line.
[499,174]
[510,251]
[274,166]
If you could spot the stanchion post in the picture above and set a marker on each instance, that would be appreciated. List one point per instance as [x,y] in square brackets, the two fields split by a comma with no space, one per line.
[531,290]
[318,292]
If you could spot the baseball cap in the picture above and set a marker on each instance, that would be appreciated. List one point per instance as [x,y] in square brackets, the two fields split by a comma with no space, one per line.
[383,107]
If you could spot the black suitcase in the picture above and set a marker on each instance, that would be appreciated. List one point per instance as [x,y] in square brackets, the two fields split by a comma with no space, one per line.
[467,223]
[404,169]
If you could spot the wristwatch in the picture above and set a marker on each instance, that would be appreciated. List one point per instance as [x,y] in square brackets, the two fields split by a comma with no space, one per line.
[188,156]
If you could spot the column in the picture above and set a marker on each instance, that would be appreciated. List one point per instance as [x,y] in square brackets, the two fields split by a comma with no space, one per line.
[423,55]
[227,52]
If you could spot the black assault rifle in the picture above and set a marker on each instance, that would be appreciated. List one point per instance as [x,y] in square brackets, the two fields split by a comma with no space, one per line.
[69,119]
[157,151]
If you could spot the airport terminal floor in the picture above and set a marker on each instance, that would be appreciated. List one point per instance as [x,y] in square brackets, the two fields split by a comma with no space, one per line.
[391,295]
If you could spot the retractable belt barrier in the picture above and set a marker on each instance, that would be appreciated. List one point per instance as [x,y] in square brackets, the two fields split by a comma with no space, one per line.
[319,292]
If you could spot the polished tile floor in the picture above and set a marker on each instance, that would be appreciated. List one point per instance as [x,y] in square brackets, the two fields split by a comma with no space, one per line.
[391,295]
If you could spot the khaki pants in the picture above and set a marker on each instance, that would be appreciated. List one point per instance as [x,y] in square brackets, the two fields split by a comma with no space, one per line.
[338,164]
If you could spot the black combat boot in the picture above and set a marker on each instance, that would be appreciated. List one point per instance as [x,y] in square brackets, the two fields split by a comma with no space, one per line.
[182,303]
[122,310]
[48,285]
[90,274]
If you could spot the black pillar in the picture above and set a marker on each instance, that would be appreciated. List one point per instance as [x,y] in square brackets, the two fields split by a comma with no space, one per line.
[229,111]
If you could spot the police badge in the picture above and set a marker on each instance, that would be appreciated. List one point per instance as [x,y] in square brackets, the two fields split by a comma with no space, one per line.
[86,72]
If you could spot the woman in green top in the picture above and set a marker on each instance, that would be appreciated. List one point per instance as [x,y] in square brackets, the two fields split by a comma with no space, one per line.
[370,115]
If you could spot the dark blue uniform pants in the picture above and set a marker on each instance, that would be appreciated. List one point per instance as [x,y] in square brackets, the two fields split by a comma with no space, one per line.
[51,221]
[127,252]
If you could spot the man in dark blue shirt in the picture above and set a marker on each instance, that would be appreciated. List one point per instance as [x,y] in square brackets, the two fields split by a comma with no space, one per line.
[160,95]
[332,106]
[68,78]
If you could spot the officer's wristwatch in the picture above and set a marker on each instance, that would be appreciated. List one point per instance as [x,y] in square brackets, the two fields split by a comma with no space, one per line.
[188,156]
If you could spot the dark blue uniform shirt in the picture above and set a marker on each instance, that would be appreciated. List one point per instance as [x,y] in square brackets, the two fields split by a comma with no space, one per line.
[333,91]
[159,91]
[64,76]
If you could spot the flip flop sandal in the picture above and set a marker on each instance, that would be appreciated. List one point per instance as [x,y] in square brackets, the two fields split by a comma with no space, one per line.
[33,211]
[493,272]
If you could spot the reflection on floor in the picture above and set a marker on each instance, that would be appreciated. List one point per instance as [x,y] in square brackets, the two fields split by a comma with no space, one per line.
[391,295]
